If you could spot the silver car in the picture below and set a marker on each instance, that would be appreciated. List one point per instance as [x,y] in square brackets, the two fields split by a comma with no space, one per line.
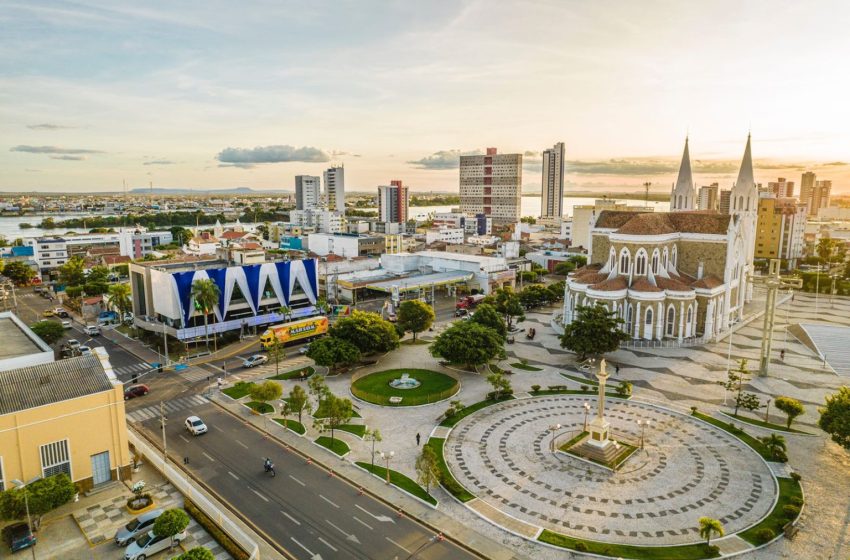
[137,526]
[149,544]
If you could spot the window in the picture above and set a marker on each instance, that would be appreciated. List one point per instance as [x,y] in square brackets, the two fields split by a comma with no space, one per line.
[640,263]
[690,314]
[55,458]
[649,316]
[629,318]
[671,320]
[675,255]
[655,256]
[625,261]
[664,259]
[613,259]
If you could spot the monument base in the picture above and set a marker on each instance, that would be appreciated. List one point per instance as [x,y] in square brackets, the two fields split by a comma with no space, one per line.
[608,453]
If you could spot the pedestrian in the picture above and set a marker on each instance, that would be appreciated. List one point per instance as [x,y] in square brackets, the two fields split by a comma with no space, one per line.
[616,369]
[782,355]
[417,439]
[185,460]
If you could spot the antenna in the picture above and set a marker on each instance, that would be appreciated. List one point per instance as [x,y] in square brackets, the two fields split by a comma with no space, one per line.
[646,186]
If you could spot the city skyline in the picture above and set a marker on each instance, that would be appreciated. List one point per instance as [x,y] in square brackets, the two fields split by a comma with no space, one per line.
[219,98]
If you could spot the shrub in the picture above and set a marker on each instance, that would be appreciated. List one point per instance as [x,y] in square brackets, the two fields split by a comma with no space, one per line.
[796,476]
[693,410]
[583,388]
[215,532]
[496,395]
[624,389]
[765,534]
[581,547]
[796,500]
[535,388]
[790,511]
[713,550]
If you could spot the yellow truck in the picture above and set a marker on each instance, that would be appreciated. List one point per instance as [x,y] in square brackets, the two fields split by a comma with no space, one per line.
[302,329]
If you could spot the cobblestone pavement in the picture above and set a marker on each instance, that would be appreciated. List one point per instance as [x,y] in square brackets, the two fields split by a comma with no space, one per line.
[688,470]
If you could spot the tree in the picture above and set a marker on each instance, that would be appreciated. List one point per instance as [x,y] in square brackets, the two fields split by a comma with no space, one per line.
[508,304]
[72,273]
[500,383]
[415,316]
[578,260]
[528,220]
[556,290]
[593,332]
[297,401]
[18,272]
[835,417]
[709,527]
[624,389]
[775,445]
[332,352]
[205,293]
[747,401]
[197,553]
[373,435]
[427,470]
[791,407]
[367,331]
[48,331]
[276,350]
[322,306]
[486,315]
[826,248]
[564,268]
[43,496]
[180,235]
[318,388]
[266,391]
[172,522]
[528,276]
[285,311]
[468,343]
[119,297]
[337,411]
[534,296]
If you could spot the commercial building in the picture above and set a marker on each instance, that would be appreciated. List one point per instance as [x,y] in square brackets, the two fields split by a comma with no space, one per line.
[491,184]
[479,224]
[392,202]
[345,244]
[308,191]
[249,295]
[444,234]
[335,189]
[488,273]
[552,196]
[319,219]
[725,205]
[138,241]
[584,216]
[709,197]
[780,229]
[58,417]
[781,188]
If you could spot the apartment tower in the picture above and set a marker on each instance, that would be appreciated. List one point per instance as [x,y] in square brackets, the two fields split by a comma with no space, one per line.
[308,191]
[335,189]
[709,197]
[552,197]
[491,184]
[392,201]
[781,188]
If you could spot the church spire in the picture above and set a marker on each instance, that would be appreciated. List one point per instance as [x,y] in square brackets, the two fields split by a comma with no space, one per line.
[745,174]
[684,193]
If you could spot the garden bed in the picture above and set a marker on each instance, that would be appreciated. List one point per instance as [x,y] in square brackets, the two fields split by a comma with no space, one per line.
[763,424]
[241,389]
[448,481]
[294,374]
[336,445]
[292,425]
[260,407]
[464,412]
[434,386]
[358,430]
[681,552]
[399,480]
[757,446]
[789,491]
[526,367]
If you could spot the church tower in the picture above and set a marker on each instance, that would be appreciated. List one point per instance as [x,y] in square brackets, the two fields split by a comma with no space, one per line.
[684,193]
[743,205]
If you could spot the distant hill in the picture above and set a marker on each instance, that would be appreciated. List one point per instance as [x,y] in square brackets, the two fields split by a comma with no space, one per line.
[235,190]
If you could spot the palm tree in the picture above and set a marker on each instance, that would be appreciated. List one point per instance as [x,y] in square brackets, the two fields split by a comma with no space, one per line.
[205,293]
[285,310]
[119,296]
[775,445]
[709,527]
[322,306]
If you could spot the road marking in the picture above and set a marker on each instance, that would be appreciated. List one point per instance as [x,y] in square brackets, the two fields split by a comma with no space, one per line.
[376,517]
[184,439]
[362,522]
[233,475]
[207,456]
[290,518]
[217,428]
[310,552]
[348,536]
[398,545]
[260,495]
[329,545]
[240,443]
[328,501]
[296,480]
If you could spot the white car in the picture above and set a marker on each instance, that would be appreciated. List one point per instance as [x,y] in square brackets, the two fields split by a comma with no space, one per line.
[255,360]
[149,544]
[84,350]
[195,426]
[73,343]
[66,324]
[92,330]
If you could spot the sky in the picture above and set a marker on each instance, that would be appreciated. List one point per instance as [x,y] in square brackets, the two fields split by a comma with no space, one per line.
[209,94]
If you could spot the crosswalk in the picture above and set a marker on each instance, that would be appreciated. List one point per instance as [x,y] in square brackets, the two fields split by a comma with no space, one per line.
[150,412]
[189,374]
[269,368]
[127,371]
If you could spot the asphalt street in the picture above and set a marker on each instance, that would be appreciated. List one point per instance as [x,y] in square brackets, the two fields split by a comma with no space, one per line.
[302,510]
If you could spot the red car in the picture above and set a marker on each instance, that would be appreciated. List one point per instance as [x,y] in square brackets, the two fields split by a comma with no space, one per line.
[135,391]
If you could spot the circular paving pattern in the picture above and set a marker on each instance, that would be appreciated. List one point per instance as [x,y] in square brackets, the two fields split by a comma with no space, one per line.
[687,470]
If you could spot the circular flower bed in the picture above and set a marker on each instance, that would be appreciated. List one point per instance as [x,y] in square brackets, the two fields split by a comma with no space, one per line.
[433,387]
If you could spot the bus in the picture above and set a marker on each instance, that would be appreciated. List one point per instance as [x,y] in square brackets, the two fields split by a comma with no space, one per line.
[301,330]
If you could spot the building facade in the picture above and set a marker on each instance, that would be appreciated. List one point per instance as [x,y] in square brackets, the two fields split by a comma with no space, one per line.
[552,196]
[308,192]
[138,242]
[780,229]
[820,197]
[807,187]
[491,184]
[684,196]
[393,202]
[781,188]
[335,189]
[709,197]
[345,244]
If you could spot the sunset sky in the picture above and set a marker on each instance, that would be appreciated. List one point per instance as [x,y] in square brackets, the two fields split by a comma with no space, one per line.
[209,94]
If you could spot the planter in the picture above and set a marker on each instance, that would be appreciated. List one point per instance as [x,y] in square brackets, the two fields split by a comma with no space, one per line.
[141,504]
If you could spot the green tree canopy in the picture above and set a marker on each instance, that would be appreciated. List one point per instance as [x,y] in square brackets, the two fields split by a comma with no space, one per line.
[578,260]
[564,267]
[427,468]
[18,272]
[709,527]
[266,391]
[593,332]
[556,291]
[835,417]
[72,273]
[415,316]
[297,400]
[367,331]
[205,294]
[333,352]
[338,411]
[48,331]
[119,297]
[172,522]
[197,553]
[791,407]
[500,383]
[508,304]
[534,296]
[43,495]
[468,343]
[486,315]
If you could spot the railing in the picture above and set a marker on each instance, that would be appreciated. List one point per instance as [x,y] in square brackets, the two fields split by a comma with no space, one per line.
[665,343]
[187,489]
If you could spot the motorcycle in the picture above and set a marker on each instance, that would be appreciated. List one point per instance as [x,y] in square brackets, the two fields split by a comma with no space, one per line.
[268,466]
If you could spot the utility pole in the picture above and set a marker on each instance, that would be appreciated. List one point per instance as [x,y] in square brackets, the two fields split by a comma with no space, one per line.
[162,419]
[646,186]
[772,282]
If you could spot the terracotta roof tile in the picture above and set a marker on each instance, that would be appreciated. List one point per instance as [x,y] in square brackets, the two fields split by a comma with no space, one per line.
[612,285]
[655,223]
[590,278]
[671,284]
[708,282]
[643,285]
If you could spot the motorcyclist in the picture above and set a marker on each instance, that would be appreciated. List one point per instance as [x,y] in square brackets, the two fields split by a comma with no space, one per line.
[269,466]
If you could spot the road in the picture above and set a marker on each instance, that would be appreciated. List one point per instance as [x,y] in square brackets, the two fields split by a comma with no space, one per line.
[302,510]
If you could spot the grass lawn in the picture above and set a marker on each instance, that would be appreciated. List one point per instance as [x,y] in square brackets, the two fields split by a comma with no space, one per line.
[763,424]
[321,413]
[452,420]
[239,390]
[526,367]
[573,441]
[358,430]
[788,489]
[336,445]
[293,425]
[398,479]
[682,552]
[375,387]
[260,407]
[448,482]
[757,446]
[294,374]
[579,379]
[417,342]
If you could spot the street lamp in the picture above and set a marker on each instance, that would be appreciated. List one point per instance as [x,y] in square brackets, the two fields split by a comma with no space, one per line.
[554,428]
[386,457]
[23,486]
[832,277]
[586,406]
[643,425]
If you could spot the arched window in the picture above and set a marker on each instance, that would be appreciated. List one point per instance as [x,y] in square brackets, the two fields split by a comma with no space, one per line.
[640,262]
[748,203]
[690,314]
[740,203]
[671,321]
[629,316]
[613,259]
[675,255]
[625,261]
[679,202]
[649,317]
[655,258]
[664,259]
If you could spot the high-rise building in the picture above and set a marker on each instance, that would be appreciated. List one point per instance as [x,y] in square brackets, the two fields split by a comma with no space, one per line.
[392,201]
[780,229]
[683,196]
[308,191]
[781,188]
[725,204]
[552,202]
[335,189]
[820,196]
[492,185]
[709,197]
[807,185]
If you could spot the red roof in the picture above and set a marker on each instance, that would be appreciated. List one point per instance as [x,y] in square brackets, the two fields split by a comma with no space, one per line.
[93,300]
[644,285]
[709,282]
[116,259]
[612,285]
[233,235]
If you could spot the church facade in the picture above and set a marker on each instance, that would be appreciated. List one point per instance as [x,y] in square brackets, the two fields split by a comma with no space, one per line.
[674,275]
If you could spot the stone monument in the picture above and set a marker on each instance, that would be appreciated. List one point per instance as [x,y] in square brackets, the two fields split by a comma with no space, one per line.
[599,446]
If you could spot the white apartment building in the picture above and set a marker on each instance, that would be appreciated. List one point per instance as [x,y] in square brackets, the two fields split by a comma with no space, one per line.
[566,229]
[393,202]
[320,219]
[138,241]
[52,252]
[308,191]
[709,197]
[552,196]
[444,234]
[491,184]
[335,189]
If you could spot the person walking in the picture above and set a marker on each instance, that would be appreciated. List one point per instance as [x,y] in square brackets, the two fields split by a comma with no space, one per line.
[616,369]
[417,439]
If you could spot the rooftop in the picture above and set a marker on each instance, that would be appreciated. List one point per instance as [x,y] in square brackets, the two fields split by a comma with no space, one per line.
[651,223]
[18,340]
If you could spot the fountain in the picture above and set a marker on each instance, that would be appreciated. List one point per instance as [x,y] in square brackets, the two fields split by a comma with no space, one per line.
[404,382]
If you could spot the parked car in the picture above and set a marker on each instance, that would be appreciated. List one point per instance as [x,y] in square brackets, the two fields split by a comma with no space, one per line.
[59,312]
[304,349]
[140,525]
[134,391]
[66,324]
[84,350]
[48,313]
[149,544]
[195,426]
[92,330]
[73,344]
[255,360]
[19,536]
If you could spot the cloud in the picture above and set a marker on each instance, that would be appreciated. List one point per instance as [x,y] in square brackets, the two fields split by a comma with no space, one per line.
[48,126]
[52,150]
[620,167]
[836,163]
[159,162]
[32,170]
[70,158]
[532,154]
[247,158]
[444,159]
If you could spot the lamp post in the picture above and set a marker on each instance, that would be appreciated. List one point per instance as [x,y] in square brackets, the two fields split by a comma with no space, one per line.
[586,407]
[23,486]
[386,457]
[553,428]
[832,277]
[643,424]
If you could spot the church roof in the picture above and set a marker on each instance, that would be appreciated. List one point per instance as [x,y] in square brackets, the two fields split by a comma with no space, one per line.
[657,223]
[671,284]
[745,174]
[708,282]
[685,180]
[590,278]
[612,285]
[644,285]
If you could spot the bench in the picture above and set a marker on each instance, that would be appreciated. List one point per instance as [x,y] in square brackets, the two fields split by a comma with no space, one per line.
[557,387]
[396,400]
